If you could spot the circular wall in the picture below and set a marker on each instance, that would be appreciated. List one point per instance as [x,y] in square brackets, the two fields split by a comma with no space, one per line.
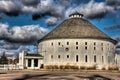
[80,52]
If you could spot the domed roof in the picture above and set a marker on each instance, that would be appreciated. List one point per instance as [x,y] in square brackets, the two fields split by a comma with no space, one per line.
[76,28]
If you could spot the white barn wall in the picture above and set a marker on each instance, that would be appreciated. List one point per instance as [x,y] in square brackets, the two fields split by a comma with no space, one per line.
[47,49]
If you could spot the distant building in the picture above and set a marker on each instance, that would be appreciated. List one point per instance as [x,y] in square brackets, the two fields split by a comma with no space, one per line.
[75,42]
[30,61]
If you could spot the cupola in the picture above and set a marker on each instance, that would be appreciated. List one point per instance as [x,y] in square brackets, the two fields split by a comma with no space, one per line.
[76,15]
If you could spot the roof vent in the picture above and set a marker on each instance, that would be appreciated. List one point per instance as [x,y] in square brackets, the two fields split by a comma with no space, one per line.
[76,15]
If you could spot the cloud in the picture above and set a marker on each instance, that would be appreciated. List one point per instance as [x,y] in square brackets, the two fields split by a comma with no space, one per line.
[10,7]
[113,27]
[56,8]
[114,3]
[19,38]
[118,44]
[30,2]
[8,45]
[22,34]
[92,10]
[51,21]
[16,48]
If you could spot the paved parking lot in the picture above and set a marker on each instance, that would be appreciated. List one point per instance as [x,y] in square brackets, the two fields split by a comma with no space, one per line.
[48,75]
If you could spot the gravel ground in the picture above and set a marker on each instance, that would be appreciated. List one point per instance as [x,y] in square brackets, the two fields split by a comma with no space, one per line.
[57,75]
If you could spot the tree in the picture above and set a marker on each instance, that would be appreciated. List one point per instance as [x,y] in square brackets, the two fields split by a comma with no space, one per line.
[3,59]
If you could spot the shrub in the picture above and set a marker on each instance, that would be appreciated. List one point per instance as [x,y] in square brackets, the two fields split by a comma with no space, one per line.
[75,67]
[91,67]
[114,67]
[82,67]
[88,67]
[61,67]
[55,67]
[67,66]
[48,67]
[103,68]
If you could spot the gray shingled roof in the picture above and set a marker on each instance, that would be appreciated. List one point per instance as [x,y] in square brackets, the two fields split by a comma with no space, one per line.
[76,28]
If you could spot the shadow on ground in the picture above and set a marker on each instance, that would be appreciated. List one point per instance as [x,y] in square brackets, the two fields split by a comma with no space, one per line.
[61,77]
[94,77]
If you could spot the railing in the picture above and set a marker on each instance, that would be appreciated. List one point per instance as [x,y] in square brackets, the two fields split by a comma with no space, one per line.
[10,66]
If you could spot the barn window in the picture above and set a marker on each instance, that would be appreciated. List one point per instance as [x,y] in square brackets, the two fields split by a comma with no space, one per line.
[67,56]
[102,48]
[116,61]
[67,43]
[76,58]
[76,43]
[76,47]
[94,43]
[85,43]
[94,48]
[101,44]
[94,58]
[108,59]
[58,56]
[58,43]
[51,56]
[102,59]
[52,43]
[86,60]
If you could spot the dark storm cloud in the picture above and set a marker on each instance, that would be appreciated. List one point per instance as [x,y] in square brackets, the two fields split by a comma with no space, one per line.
[10,7]
[113,2]
[30,2]
[56,8]
[22,34]
[37,8]
[16,48]
[113,27]
[8,45]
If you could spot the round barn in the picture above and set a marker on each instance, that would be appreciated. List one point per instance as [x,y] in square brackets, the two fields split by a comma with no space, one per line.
[77,42]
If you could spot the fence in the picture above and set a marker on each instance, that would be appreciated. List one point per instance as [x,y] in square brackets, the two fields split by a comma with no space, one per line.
[10,67]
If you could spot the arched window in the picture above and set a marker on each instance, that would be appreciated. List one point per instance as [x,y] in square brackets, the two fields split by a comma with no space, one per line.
[76,47]
[67,43]
[102,59]
[58,43]
[51,56]
[94,58]
[101,44]
[86,60]
[116,61]
[76,58]
[108,59]
[67,56]
[52,43]
[59,56]
[85,47]
[76,43]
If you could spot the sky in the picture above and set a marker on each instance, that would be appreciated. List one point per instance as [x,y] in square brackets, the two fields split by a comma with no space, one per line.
[24,22]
